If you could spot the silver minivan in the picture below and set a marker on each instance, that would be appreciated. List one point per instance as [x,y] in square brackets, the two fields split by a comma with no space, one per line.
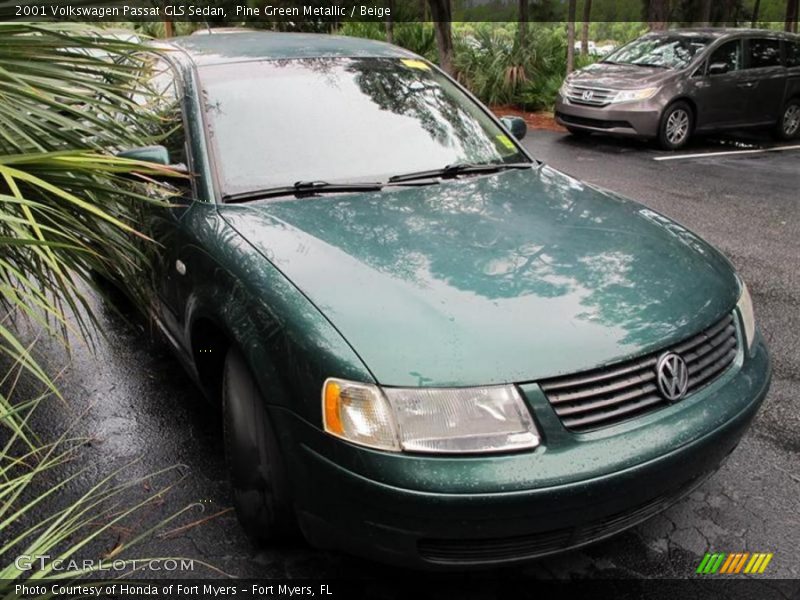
[670,85]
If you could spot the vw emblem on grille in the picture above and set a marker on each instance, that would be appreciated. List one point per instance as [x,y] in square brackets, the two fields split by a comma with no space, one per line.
[672,376]
[587,95]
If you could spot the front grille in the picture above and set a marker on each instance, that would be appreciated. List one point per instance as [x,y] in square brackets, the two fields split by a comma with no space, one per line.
[589,95]
[608,395]
[596,123]
[475,551]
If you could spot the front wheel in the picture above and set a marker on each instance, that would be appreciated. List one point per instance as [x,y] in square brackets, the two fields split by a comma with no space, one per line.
[789,123]
[676,126]
[255,465]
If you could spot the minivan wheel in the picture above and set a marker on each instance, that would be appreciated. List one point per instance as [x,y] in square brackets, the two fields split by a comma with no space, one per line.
[255,466]
[789,125]
[676,126]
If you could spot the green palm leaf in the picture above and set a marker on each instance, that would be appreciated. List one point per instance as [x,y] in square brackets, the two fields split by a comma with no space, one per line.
[68,208]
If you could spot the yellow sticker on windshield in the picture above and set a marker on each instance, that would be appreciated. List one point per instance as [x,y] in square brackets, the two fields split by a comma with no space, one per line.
[503,139]
[412,63]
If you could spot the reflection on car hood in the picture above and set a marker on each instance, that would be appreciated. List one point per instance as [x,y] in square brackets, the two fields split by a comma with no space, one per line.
[621,77]
[510,277]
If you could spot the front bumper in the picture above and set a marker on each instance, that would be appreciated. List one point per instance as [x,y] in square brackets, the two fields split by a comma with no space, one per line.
[637,119]
[575,489]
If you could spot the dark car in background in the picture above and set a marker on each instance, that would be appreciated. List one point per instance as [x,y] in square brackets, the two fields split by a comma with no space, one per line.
[668,86]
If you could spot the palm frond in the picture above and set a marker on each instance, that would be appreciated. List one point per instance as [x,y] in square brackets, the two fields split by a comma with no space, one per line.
[68,101]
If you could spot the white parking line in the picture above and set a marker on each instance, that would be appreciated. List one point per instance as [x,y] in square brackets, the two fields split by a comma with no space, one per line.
[726,153]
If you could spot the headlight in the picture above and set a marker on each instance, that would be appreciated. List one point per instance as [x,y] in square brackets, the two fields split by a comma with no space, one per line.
[430,420]
[634,95]
[565,86]
[745,306]
[360,413]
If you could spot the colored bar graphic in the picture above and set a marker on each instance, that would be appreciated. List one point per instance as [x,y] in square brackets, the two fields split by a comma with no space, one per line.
[711,563]
[727,566]
[703,563]
[754,564]
[740,564]
[734,563]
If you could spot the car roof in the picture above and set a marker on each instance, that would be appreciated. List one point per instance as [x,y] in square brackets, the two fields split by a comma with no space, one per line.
[719,32]
[243,45]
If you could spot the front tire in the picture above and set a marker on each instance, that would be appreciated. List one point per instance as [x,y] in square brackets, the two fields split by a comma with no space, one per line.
[676,125]
[789,124]
[255,465]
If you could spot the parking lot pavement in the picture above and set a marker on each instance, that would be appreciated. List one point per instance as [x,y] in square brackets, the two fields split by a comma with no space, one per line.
[143,406]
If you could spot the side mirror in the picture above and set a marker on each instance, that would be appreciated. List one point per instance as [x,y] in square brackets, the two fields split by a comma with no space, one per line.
[718,68]
[158,155]
[516,126]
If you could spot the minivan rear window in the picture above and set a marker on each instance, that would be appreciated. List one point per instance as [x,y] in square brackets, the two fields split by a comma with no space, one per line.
[793,54]
[764,53]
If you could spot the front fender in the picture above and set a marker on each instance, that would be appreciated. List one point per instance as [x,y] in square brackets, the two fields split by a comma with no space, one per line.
[289,345]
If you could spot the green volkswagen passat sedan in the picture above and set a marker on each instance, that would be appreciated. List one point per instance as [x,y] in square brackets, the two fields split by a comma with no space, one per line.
[430,348]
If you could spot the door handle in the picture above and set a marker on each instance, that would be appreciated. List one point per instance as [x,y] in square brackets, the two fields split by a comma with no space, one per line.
[746,84]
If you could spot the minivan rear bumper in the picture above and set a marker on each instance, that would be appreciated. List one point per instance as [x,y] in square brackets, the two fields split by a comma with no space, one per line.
[639,119]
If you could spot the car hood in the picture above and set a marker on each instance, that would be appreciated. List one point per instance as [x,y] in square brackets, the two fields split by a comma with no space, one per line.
[511,277]
[621,77]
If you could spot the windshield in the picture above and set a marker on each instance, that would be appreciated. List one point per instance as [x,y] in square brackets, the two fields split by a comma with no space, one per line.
[669,51]
[276,122]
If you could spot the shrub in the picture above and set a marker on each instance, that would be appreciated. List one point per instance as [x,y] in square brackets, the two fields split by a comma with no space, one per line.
[418,38]
[371,30]
[496,68]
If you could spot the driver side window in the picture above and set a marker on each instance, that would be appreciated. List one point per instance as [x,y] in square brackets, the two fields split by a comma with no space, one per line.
[730,53]
[158,95]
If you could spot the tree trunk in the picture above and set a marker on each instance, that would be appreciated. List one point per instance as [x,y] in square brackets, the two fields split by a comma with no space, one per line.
[587,15]
[756,9]
[523,22]
[169,30]
[441,16]
[728,13]
[705,13]
[658,15]
[791,15]
[796,15]
[390,22]
[571,36]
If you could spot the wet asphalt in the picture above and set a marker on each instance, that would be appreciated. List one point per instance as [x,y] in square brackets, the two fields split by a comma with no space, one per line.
[140,409]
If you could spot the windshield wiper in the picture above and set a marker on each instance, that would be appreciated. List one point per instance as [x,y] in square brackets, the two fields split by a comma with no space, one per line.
[457,169]
[302,189]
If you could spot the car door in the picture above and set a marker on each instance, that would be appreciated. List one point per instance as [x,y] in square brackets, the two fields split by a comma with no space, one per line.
[792,56]
[162,103]
[765,75]
[722,98]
